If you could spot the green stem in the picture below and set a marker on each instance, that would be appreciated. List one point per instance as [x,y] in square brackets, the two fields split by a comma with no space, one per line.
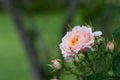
[78,77]
[89,62]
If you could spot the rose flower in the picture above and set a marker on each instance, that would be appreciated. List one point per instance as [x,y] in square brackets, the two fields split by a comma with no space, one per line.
[80,39]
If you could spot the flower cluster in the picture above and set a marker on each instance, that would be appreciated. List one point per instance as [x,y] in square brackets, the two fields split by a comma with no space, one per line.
[88,56]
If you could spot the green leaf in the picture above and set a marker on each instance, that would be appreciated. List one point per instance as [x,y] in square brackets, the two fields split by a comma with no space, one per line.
[116,33]
[99,65]
[98,76]
[116,65]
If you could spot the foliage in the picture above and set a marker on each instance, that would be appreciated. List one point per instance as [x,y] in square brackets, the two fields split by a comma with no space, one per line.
[101,62]
[116,33]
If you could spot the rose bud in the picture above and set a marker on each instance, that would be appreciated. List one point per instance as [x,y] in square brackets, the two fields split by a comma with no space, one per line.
[56,64]
[110,46]
[54,79]
[76,58]
[100,39]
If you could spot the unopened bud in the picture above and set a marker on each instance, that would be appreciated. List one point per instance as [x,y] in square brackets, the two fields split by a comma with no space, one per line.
[110,46]
[54,79]
[56,64]
[99,40]
[76,58]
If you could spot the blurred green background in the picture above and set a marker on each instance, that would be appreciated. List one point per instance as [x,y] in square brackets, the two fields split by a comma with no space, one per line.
[49,20]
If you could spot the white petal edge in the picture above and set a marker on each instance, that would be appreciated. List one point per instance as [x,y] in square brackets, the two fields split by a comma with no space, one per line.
[97,33]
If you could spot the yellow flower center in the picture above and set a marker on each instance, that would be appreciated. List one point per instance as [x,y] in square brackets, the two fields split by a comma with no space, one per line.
[73,41]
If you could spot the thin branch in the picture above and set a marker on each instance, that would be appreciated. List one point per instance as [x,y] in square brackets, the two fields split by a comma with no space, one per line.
[34,31]
[70,14]
[32,56]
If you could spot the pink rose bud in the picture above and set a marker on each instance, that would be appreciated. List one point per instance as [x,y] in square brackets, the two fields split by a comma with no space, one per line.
[54,79]
[56,64]
[110,46]
[76,58]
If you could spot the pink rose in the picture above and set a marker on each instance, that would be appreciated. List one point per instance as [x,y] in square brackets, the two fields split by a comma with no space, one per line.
[110,46]
[56,64]
[80,39]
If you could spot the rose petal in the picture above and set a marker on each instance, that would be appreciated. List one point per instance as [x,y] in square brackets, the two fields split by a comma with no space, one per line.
[97,33]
